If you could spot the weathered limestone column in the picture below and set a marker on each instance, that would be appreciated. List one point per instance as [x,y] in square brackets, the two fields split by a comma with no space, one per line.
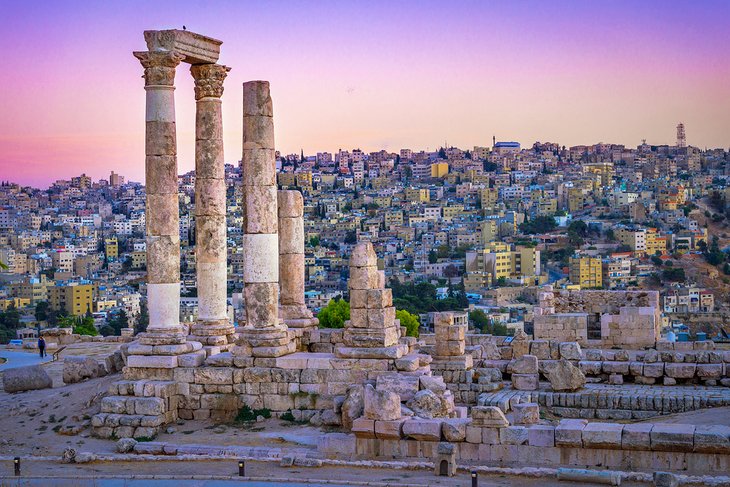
[165,338]
[264,335]
[291,261]
[213,327]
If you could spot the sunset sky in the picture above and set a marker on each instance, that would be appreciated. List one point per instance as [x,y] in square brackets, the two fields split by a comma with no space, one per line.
[368,74]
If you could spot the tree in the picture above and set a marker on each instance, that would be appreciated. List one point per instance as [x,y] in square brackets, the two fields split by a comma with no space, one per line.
[480,320]
[675,274]
[117,321]
[539,224]
[314,241]
[451,271]
[81,326]
[432,257]
[351,237]
[143,319]
[41,311]
[409,320]
[334,314]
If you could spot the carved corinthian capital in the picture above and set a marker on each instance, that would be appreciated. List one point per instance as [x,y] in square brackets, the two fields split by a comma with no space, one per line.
[209,79]
[159,66]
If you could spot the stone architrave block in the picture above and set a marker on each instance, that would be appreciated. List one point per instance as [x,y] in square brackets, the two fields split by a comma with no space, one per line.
[526,413]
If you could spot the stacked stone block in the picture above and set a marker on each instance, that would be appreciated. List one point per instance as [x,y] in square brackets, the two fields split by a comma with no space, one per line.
[213,327]
[525,373]
[291,261]
[372,330]
[264,334]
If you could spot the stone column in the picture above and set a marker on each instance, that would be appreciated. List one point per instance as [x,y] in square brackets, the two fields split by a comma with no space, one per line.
[291,261]
[264,335]
[165,337]
[213,327]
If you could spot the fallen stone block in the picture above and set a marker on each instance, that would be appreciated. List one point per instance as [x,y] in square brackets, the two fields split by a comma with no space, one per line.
[28,378]
[423,429]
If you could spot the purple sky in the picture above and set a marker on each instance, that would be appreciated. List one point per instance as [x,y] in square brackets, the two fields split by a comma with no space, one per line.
[366,74]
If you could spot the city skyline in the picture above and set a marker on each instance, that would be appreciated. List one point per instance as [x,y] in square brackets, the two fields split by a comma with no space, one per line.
[385,77]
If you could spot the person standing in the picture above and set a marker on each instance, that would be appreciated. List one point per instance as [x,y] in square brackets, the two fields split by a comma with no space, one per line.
[42,346]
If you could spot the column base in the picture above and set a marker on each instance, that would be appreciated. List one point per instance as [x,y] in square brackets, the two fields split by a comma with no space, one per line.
[273,341]
[164,335]
[219,333]
[297,316]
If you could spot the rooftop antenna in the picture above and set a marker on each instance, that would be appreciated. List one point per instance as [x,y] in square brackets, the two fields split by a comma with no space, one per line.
[494,140]
[185,28]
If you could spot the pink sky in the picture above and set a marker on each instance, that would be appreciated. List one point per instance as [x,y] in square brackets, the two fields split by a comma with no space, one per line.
[366,74]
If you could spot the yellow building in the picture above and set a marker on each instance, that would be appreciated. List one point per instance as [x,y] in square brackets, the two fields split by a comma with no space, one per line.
[418,195]
[74,299]
[304,179]
[586,272]
[497,260]
[393,218]
[489,197]
[439,169]
[112,248]
[16,303]
[139,260]
[576,200]
[449,212]
[489,231]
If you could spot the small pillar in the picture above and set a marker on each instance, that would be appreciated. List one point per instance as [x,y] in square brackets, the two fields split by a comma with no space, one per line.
[264,334]
[213,328]
[372,330]
[450,350]
[293,309]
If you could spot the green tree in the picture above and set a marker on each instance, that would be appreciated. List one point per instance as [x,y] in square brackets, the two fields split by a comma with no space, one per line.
[480,320]
[314,241]
[83,326]
[143,319]
[410,321]
[539,224]
[351,237]
[334,314]
[117,321]
[41,311]
[432,257]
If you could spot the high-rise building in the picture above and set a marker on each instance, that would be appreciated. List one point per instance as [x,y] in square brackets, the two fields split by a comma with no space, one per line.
[587,272]
[681,138]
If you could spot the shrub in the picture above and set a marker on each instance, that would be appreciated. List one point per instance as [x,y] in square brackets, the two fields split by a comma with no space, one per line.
[334,314]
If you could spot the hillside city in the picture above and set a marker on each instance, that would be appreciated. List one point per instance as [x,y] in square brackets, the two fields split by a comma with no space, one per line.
[475,230]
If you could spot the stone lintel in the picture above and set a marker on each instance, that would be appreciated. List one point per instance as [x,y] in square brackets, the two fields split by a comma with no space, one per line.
[197,48]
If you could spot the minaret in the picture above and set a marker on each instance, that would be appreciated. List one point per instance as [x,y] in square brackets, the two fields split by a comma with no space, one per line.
[681,138]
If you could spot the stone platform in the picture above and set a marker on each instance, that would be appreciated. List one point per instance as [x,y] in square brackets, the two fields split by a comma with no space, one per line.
[603,401]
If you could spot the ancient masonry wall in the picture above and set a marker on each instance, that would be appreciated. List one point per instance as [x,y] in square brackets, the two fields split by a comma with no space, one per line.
[623,318]
[573,442]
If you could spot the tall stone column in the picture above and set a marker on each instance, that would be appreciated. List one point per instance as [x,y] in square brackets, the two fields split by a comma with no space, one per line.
[165,339]
[264,335]
[213,327]
[293,309]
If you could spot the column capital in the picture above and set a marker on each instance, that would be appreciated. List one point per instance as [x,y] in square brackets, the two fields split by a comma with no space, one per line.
[159,66]
[209,79]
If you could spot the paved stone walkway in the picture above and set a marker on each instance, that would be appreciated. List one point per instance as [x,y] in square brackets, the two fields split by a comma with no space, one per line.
[21,359]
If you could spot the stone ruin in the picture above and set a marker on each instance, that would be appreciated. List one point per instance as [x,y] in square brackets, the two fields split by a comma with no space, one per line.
[451,395]
[599,318]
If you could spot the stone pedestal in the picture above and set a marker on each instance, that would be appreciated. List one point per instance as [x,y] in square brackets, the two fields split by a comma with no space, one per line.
[264,335]
[292,309]
[213,329]
[372,330]
[449,352]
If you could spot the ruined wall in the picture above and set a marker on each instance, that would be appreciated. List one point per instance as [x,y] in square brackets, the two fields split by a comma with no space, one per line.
[607,318]
[590,301]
